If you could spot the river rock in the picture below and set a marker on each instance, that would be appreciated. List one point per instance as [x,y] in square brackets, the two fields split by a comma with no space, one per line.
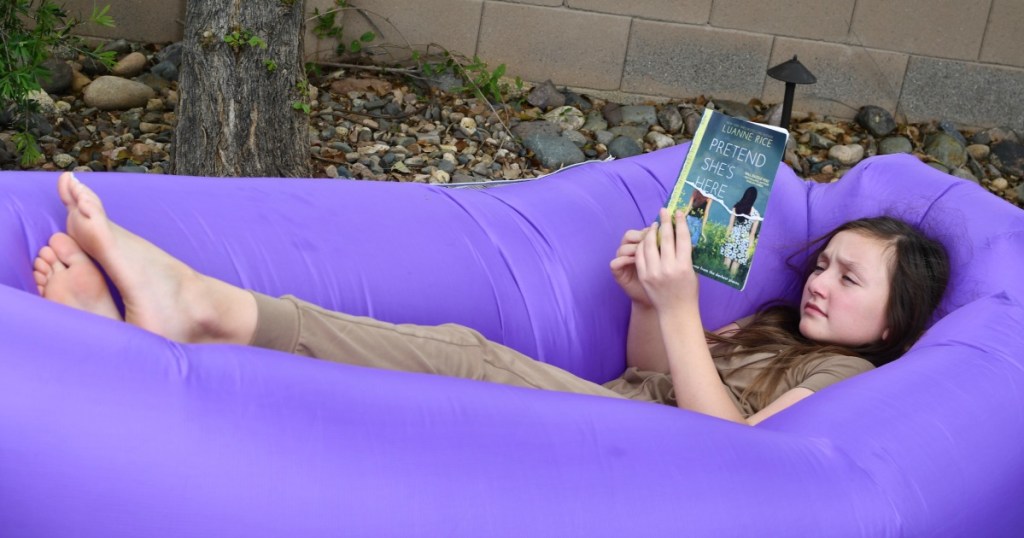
[546,96]
[171,53]
[115,93]
[59,76]
[624,146]
[980,152]
[994,136]
[636,132]
[895,144]
[950,129]
[670,118]
[644,115]
[566,117]
[946,149]
[612,113]
[528,128]
[595,122]
[165,70]
[660,140]
[876,120]
[79,81]
[131,65]
[736,109]
[64,161]
[576,137]
[964,173]
[581,102]
[1008,156]
[847,154]
[817,141]
[553,151]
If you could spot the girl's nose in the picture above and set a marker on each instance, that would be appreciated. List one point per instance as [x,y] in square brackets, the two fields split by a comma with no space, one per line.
[816,285]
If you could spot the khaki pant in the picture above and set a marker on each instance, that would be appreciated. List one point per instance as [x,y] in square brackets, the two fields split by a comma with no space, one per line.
[294,326]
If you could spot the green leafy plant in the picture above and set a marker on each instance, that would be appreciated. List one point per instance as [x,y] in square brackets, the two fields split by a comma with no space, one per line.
[328,27]
[479,80]
[302,104]
[29,31]
[241,37]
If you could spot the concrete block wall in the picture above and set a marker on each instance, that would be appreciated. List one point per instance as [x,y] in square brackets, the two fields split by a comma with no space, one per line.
[923,59]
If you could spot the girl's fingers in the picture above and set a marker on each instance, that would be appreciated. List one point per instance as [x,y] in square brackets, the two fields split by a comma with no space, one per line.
[682,235]
[667,230]
[626,250]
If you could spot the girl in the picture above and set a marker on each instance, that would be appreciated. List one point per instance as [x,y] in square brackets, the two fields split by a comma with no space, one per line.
[743,222]
[873,287]
[697,215]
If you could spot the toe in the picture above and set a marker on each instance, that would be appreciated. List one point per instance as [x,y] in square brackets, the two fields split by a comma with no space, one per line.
[48,256]
[64,183]
[40,278]
[65,248]
[42,267]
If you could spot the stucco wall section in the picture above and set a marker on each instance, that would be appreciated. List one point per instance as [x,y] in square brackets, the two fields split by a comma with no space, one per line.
[538,43]
[1004,38]
[813,19]
[943,28]
[968,93]
[688,11]
[676,60]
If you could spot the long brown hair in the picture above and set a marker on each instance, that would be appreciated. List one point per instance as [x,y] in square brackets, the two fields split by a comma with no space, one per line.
[920,272]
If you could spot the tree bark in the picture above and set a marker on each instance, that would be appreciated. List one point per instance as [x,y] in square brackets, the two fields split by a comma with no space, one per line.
[235,112]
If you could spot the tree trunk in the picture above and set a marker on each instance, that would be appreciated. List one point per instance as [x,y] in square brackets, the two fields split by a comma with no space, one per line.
[236,115]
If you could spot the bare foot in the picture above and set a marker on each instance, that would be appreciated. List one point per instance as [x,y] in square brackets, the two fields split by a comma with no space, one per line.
[65,274]
[161,294]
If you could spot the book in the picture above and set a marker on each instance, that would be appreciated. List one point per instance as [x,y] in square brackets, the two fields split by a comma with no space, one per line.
[723,189]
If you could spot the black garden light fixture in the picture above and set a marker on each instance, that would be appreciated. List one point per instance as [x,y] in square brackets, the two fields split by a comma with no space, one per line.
[792,72]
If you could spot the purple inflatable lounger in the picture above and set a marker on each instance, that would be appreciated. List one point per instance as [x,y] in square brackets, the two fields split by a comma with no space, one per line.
[107,430]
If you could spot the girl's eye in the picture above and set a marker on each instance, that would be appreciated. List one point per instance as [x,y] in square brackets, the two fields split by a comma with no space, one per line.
[818,268]
[848,279]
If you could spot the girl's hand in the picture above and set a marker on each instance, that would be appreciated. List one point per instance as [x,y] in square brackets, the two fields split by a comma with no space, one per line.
[624,266]
[667,274]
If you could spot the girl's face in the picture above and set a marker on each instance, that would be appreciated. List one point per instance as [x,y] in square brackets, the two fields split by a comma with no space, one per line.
[845,298]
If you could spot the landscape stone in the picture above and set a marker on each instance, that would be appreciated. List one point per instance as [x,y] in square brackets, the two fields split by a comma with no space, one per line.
[643,115]
[546,96]
[553,151]
[670,118]
[950,129]
[1008,156]
[165,70]
[115,93]
[736,109]
[659,140]
[979,152]
[946,149]
[636,132]
[624,146]
[595,122]
[566,117]
[130,66]
[895,144]
[848,154]
[876,120]
[612,113]
[59,78]
[526,129]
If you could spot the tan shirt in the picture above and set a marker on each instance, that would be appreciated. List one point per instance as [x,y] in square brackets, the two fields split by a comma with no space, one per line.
[814,375]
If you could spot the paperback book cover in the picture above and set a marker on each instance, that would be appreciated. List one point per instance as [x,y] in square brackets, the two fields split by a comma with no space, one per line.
[723,190]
